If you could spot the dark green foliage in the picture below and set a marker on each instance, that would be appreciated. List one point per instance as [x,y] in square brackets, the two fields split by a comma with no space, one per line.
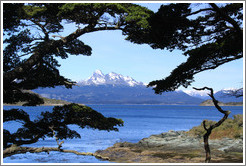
[17,43]
[208,56]
[33,41]
[137,25]
[58,121]
[168,28]
[15,95]
[31,46]
[11,15]
[209,36]
[14,114]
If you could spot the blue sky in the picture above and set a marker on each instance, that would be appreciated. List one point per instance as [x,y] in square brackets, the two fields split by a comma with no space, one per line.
[111,53]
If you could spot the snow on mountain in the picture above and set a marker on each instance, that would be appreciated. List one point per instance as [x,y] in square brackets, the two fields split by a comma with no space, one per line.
[223,95]
[98,78]
[228,90]
[196,93]
[118,80]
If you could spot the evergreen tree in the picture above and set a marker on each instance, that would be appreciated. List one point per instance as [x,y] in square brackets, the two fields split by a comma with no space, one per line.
[32,41]
[210,35]
[31,45]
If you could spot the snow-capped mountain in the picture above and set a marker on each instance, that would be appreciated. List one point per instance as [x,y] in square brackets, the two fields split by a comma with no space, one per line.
[224,95]
[196,93]
[98,78]
[115,88]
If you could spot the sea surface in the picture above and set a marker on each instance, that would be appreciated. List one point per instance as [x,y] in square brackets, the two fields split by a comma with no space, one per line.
[140,121]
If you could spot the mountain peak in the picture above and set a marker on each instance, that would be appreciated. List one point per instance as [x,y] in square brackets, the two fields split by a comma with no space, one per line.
[98,72]
[196,93]
[98,78]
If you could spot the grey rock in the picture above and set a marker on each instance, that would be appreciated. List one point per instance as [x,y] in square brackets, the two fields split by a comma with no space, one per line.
[179,139]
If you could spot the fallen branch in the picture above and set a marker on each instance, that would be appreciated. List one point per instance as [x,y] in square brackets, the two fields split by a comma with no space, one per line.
[210,128]
[57,139]
[19,149]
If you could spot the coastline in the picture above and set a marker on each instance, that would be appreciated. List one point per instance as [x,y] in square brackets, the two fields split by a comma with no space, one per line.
[210,103]
[37,105]
[142,151]
[40,105]
[226,144]
[174,147]
[54,104]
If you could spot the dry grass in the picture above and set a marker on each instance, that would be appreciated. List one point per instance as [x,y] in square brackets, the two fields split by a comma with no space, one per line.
[231,128]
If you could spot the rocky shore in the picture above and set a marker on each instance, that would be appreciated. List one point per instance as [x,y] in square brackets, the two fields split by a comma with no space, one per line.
[175,147]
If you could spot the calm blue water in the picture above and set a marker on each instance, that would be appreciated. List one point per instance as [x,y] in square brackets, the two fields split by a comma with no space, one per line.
[140,121]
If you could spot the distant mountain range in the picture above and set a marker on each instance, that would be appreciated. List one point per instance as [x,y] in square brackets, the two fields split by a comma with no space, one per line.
[98,78]
[115,88]
[223,95]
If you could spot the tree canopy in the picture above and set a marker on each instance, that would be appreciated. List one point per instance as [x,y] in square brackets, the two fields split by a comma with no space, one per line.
[209,34]
[55,122]
[31,46]
[32,41]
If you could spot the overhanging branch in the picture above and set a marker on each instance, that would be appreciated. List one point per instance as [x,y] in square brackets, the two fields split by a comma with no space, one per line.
[52,44]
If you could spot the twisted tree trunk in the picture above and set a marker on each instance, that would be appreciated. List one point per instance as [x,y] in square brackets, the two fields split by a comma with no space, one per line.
[210,128]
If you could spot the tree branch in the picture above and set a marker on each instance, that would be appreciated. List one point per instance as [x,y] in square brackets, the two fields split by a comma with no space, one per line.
[237,93]
[228,19]
[18,150]
[213,99]
[43,29]
[57,140]
[24,54]
[204,125]
[209,130]
[107,28]
[22,142]
[198,11]
[53,44]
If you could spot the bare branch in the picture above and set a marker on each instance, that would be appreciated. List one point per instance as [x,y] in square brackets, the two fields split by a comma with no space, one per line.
[209,130]
[204,125]
[213,99]
[18,150]
[57,139]
[54,36]
[198,11]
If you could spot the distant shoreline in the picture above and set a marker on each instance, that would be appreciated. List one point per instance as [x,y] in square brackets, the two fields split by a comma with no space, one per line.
[34,106]
[210,103]
[54,104]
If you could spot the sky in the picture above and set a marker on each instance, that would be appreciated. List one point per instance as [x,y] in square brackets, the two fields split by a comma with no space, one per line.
[111,53]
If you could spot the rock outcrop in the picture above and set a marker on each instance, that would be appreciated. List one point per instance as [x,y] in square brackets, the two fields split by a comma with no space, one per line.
[175,147]
[181,140]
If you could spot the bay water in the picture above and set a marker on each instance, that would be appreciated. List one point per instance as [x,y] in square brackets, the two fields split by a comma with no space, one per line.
[140,121]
